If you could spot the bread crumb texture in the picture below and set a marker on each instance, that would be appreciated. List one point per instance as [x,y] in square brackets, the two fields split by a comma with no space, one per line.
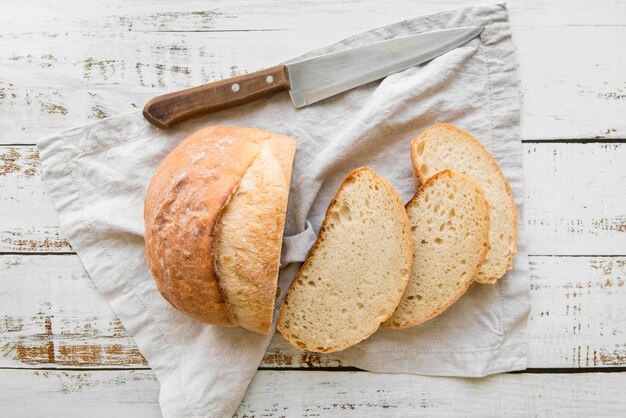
[449,219]
[444,146]
[355,275]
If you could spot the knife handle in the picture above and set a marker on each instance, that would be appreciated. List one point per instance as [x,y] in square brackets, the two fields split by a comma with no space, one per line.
[171,109]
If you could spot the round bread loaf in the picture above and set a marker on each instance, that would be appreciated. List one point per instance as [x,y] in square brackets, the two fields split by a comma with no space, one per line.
[214,218]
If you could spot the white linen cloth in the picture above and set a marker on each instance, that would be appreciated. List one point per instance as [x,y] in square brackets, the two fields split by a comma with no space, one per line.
[97,177]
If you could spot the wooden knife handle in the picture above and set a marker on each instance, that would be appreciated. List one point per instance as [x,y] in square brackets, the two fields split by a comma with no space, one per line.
[171,109]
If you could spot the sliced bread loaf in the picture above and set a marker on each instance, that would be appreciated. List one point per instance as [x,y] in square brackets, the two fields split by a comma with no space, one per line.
[444,146]
[357,270]
[449,218]
[214,216]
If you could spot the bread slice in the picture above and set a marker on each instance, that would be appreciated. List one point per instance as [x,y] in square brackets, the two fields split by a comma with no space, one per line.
[449,218]
[355,275]
[444,146]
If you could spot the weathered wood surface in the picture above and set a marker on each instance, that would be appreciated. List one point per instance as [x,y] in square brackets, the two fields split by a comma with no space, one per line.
[337,394]
[245,15]
[106,394]
[63,65]
[68,65]
[52,316]
[574,200]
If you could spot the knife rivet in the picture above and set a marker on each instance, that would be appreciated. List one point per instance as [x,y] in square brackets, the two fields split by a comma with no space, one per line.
[235,87]
[269,79]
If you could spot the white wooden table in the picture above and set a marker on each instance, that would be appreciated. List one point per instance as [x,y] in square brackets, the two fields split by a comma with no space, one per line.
[64,353]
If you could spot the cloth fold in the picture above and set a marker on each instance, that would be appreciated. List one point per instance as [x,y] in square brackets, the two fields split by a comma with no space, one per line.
[97,176]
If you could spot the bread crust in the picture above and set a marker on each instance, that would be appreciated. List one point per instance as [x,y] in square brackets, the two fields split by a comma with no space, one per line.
[428,184]
[421,179]
[184,201]
[318,243]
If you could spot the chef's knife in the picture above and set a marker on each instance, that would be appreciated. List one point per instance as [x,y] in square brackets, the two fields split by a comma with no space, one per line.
[309,80]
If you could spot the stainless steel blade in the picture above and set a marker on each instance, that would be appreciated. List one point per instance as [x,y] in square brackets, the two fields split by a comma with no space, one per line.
[317,78]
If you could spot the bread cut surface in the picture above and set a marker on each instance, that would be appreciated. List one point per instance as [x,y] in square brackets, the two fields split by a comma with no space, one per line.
[449,219]
[355,275]
[190,192]
[250,232]
[444,146]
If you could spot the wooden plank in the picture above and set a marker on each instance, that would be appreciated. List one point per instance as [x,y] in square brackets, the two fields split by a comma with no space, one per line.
[565,95]
[27,393]
[577,316]
[52,316]
[28,220]
[58,80]
[574,200]
[233,15]
[574,196]
[358,394]
[42,393]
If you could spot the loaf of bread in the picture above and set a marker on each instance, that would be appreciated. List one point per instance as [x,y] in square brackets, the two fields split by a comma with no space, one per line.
[357,270]
[444,146]
[449,218]
[214,217]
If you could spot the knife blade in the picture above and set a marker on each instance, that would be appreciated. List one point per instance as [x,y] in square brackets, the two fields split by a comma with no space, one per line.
[310,80]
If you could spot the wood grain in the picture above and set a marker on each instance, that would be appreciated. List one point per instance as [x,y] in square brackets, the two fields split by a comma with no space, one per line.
[574,196]
[344,394]
[101,65]
[168,110]
[65,322]
[106,394]
[356,394]
[574,200]
[51,315]
[577,316]
[245,15]
[63,65]
[28,221]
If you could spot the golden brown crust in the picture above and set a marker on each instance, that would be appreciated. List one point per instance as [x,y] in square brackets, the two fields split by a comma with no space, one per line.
[421,179]
[183,203]
[428,184]
[325,225]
